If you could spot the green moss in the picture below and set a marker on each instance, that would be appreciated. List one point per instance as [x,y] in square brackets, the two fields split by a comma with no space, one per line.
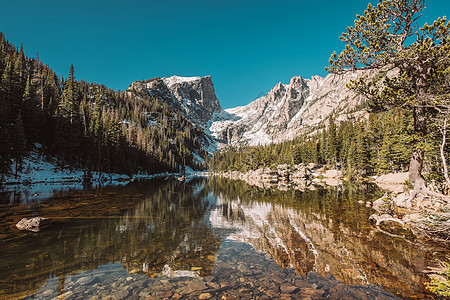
[440,284]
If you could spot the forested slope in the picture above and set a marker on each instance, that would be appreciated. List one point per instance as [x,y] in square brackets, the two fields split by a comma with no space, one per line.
[88,125]
[362,147]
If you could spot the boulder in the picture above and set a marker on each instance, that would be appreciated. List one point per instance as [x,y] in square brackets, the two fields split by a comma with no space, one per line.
[402,200]
[300,173]
[393,182]
[34,224]
[383,204]
[333,174]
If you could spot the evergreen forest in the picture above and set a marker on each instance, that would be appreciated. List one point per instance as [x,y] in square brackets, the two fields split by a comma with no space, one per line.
[376,144]
[87,125]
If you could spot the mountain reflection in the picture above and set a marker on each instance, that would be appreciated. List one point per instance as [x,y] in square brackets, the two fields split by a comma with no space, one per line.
[324,231]
[171,228]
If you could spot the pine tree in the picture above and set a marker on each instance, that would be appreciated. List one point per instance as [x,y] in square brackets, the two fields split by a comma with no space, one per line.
[412,66]
[29,114]
[69,105]
[331,142]
[18,143]
[17,77]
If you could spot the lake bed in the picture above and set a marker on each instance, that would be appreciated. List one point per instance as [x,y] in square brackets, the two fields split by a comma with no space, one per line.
[206,238]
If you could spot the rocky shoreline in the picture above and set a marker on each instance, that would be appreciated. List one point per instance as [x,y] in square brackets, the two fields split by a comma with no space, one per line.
[395,214]
[283,176]
[424,216]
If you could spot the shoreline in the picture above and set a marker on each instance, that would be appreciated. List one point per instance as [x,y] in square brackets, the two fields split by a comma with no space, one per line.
[36,170]
[395,214]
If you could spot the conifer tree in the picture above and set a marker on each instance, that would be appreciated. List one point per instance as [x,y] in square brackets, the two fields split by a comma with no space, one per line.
[68,106]
[18,143]
[331,142]
[412,66]
[29,114]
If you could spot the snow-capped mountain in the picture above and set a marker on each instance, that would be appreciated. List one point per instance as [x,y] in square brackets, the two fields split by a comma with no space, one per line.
[193,96]
[287,111]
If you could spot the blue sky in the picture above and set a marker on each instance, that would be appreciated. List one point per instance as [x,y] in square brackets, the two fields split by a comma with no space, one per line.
[246,46]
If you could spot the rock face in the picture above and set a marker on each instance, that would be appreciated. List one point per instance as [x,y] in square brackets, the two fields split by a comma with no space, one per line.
[194,96]
[312,242]
[289,110]
[34,224]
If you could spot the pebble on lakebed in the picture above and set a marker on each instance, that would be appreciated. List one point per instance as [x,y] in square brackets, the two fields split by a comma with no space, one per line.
[241,273]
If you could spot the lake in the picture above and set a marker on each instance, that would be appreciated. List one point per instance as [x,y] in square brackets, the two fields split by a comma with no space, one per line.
[206,238]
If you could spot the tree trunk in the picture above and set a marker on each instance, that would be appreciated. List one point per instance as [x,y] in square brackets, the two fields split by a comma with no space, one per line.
[444,161]
[416,164]
[415,170]
[420,129]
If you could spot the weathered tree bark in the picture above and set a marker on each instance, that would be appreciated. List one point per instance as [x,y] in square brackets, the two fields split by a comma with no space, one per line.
[416,164]
[444,161]
[420,128]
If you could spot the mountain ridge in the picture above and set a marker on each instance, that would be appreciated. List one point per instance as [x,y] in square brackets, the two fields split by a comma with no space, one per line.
[286,111]
[195,96]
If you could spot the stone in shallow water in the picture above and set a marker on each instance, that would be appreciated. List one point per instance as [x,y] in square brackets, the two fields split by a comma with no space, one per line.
[287,288]
[67,295]
[144,293]
[34,224]
[205,296]
[46,293]
[311,292]
[85,280]
[193,286]
[164,294]
[213,285]
[122,294]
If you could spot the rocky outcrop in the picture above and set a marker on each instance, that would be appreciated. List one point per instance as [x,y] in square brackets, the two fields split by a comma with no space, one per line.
[34,224]
[193,96]
[393,182]
[284,176]
[288,110]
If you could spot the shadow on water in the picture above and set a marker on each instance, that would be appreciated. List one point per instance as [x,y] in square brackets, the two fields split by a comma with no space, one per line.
[203,228]
[142,226]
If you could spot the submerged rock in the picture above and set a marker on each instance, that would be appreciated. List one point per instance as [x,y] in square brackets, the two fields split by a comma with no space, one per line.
[34,224]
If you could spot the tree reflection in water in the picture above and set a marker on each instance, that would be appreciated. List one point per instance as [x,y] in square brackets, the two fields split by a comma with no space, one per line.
[143,226]
[166,227]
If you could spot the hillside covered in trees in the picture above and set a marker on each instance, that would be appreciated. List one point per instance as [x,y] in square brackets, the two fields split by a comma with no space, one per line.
[361,147]
[88,125]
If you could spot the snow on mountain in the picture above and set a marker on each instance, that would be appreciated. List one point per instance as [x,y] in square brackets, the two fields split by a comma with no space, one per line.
[193,96]
[288,110]
[178,79]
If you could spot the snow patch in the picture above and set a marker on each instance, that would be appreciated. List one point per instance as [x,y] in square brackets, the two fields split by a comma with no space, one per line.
[178,79]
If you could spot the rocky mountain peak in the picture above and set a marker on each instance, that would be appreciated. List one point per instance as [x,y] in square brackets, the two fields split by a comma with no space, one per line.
[297,87]
[286,111]
[289,110]
[277,91]
[194,96]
